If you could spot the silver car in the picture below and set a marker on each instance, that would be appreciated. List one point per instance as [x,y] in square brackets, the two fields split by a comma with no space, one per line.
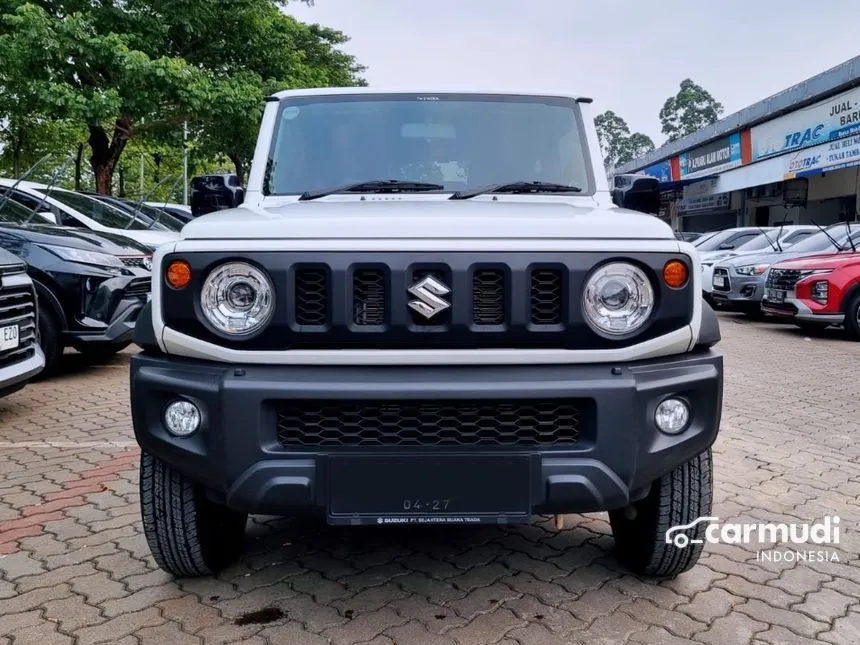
[738,282]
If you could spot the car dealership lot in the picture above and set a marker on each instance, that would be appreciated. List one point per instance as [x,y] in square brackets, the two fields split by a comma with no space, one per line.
[74,566]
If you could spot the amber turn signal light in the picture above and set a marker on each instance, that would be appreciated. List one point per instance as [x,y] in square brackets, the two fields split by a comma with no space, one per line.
[178,274]
[675,274]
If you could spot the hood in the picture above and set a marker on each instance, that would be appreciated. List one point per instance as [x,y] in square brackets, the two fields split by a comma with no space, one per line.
[77,238]
[828,261]
[427,220]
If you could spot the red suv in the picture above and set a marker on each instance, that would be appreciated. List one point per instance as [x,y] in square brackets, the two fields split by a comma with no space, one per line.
[816,291]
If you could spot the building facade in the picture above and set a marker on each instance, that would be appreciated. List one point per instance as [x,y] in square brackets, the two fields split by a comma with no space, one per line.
[793,158]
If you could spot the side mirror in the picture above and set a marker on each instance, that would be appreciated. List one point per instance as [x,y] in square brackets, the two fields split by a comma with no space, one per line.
[637,192]
[210,193]
[48,216]
[728,246]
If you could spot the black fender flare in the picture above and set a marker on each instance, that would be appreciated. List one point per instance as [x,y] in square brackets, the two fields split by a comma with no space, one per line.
[46,298]
[852,291]
[144,334]
[709,331]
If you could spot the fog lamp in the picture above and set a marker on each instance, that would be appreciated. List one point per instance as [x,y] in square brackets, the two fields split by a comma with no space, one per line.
[182,418]
[672,416]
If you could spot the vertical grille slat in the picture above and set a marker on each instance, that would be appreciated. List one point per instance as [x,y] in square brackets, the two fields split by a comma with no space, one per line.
[312,297]
[546,296]
[369,297]
[488,297]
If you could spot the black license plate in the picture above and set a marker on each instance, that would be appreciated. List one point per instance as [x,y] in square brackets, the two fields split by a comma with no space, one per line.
[776,295]
[428,489]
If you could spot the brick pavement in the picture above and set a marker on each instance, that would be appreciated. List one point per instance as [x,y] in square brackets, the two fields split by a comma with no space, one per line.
[75,568]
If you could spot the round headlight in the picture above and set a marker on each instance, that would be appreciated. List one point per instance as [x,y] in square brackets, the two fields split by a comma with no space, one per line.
[618,299]
[237,299]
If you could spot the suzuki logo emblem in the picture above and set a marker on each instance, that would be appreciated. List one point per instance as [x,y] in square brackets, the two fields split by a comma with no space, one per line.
[428,293]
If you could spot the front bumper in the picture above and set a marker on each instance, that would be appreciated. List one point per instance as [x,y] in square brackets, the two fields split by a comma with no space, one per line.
[236,454]
[744,293]
[111,312]
[793,307]
[15,376]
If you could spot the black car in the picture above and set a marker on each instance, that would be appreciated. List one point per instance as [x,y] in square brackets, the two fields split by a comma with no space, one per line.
[20,356]
[90,286]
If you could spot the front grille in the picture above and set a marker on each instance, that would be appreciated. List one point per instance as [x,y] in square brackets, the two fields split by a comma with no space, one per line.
[396,423]
[488,297]
[477,300]
[783,279]
[727,285]
[369,295]
[546,297]
[312,297]
[18,307]
[135,261]
[138,288]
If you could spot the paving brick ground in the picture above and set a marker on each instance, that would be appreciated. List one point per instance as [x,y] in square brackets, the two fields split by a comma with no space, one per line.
[74,566]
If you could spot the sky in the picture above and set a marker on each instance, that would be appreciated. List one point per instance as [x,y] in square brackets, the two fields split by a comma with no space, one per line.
[628,55]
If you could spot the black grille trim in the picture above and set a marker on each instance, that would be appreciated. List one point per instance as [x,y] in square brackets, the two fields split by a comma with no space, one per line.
[139,288]
[550,319]
[445,423]
[370,297]
[783,279]
[728,282]
[312,296]
[547,296]
[489,294]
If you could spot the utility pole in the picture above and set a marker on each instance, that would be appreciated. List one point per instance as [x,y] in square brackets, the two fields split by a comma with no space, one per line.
[185,162]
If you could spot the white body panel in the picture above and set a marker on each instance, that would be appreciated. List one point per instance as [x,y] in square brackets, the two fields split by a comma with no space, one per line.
[424,222]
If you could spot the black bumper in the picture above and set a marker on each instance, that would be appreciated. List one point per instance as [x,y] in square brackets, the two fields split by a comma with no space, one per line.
[237,455]
[110,313]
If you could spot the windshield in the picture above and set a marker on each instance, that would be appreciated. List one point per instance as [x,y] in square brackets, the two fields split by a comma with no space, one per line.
[763,241]
[457,140]
[716,239]
[704,238]
[819,242]
[99,211]
[164,221]
[14,213]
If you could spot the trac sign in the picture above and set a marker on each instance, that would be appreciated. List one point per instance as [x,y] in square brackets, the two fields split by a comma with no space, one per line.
[819,123]
[808,137]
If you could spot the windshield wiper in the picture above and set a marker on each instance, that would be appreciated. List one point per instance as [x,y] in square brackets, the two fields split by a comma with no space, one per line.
[517,187]
[821,228]
[770,243]
[377,186]
[850,236]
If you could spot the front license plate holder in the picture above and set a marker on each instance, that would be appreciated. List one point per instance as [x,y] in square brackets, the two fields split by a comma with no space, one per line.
[429,489]
[776,295]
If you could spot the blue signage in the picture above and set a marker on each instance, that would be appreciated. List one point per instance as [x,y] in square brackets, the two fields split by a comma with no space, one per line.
[662,171]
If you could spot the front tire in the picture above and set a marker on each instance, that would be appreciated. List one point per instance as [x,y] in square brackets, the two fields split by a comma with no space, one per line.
[49,341]
[852,317]
[679,497]
[188,534]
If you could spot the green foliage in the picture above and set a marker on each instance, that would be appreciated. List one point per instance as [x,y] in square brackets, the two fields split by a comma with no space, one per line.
[691,109]
[137,70]
[617,144]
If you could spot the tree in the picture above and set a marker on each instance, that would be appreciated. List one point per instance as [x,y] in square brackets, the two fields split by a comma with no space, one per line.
[617,144]
[691,109]
[141,68]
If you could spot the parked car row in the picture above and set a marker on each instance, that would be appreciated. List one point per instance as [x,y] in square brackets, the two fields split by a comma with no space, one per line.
[806,273]
[75,271]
